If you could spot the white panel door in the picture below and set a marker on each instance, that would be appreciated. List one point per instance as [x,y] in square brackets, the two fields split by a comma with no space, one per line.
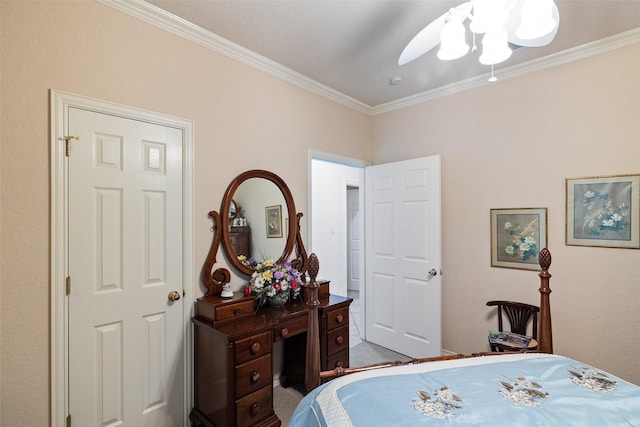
[353,239]
[403,244]
[125,359]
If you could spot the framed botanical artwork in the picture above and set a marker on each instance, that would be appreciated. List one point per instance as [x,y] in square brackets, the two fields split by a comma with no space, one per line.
[517,236]
[603,211]
[273,215]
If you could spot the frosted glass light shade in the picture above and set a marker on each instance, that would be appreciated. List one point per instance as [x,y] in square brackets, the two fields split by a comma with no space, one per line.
[487,14]
[452,41]
[495,47]
[536,19]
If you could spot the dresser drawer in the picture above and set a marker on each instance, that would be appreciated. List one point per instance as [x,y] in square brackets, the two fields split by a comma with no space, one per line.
[337,318]
[253,375]
[291,328]
[340,359]
[337,339]
[254,407]
[234,310]
[252,347]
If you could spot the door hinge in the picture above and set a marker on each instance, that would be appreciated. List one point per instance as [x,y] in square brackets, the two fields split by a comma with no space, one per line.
[68,286]
[67,144]
[68,421]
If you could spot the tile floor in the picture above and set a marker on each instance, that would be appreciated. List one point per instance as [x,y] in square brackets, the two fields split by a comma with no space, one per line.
[354,319]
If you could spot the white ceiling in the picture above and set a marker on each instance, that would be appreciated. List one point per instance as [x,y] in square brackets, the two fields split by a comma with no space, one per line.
[352,46]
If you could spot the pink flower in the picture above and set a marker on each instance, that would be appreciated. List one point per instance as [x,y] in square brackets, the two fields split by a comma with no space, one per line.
[295,286]
[246,291]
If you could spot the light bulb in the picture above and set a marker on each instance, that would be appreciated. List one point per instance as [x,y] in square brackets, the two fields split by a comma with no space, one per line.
[452,41]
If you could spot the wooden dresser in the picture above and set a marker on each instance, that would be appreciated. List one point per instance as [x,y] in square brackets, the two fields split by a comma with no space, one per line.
[233,364]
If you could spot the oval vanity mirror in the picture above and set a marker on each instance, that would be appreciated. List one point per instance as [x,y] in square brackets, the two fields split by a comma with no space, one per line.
[267,227]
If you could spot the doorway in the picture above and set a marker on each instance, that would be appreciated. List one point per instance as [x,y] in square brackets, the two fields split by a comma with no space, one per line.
[401,245]
[336,226]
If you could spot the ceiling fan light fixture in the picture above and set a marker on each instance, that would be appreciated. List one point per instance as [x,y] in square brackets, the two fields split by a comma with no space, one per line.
[487,14]
[495,47]
[536,19]
[452,41]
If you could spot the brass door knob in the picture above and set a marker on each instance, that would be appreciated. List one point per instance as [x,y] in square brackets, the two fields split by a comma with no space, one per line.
[174,296]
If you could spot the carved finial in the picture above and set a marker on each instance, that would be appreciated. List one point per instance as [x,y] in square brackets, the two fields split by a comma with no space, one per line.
[314,267]
[545,259]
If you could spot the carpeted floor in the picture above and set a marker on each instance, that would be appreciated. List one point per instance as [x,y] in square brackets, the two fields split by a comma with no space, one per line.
[365,353]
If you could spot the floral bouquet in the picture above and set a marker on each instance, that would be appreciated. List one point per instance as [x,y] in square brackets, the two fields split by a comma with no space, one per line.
[271,281]
[249,262]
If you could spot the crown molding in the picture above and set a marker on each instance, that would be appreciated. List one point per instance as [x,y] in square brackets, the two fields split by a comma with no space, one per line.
[182,28]
[577,53]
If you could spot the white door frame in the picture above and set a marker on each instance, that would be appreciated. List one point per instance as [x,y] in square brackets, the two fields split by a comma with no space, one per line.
[60,102]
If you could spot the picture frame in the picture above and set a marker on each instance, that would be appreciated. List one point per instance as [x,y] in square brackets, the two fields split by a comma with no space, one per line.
[517,236]
[603,211]
[273,216]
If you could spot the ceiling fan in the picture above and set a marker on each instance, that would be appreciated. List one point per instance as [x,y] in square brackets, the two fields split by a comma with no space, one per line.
[528,23]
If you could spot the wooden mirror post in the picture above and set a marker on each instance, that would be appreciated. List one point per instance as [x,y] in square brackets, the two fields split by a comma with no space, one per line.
[214,280]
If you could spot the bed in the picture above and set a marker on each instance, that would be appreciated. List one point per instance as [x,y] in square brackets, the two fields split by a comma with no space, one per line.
[514,389]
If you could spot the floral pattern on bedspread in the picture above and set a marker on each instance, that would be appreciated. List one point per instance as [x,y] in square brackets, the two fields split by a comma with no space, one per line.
[441,406]
[443,402]
[593,380]
[523,392]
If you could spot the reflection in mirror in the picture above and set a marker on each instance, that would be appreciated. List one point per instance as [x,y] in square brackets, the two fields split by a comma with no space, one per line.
[258,196]
[268,227]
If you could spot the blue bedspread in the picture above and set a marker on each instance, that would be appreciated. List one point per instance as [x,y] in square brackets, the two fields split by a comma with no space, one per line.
[510,390]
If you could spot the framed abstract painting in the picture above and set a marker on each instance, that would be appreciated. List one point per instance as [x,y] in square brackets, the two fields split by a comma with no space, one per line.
[517,236]
[603,211]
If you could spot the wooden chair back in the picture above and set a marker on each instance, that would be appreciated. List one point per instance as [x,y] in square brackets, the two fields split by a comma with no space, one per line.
[518,314]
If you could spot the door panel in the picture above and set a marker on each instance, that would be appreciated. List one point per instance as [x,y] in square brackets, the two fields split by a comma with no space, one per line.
[403,244]
[126,362]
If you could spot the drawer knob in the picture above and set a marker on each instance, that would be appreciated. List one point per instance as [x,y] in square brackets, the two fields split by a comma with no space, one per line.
[339,339]
[255,348]
[339,318]
[284,332]
[255,376]
[255,408]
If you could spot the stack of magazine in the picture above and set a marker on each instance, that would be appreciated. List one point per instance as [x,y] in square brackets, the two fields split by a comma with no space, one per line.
[509,338]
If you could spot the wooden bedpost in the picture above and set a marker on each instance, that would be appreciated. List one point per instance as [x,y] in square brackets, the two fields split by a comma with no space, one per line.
[545,335]
[312,364]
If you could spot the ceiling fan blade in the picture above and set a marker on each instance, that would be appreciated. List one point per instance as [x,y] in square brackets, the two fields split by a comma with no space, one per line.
[429,37]
[514,22]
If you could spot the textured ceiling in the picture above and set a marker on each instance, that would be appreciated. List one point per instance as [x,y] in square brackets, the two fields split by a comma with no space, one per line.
[352,46]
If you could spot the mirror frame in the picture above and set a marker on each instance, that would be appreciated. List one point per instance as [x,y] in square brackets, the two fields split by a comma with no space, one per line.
[293,226]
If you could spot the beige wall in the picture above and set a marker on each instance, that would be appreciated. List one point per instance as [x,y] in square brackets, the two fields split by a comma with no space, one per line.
[243,118]
[507,145]
[511,145]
